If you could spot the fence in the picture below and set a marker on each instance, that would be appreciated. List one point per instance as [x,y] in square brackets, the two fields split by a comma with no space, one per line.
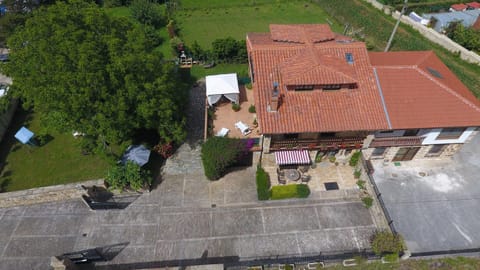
[369,169]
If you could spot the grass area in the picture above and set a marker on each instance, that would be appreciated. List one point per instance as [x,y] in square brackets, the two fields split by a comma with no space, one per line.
[376,28]
[199,72]
[205,21]
[58,162]
[457,263]
[289,191]
[263,184]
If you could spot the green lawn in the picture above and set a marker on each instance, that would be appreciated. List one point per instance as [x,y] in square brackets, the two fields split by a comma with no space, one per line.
[198,72]
[290,191]
[205,22]
[59,161]
[457,263]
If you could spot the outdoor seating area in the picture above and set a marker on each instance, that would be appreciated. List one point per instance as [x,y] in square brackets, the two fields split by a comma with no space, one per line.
[321,176]
[235,124]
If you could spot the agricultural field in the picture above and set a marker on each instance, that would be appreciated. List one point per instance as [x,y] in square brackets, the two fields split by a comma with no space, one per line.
[375,27]
[205,21]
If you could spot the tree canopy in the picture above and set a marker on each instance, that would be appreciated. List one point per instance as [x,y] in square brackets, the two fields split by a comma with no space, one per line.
[83,70]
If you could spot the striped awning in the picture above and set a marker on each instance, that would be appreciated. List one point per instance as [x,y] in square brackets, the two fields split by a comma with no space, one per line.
[292,157]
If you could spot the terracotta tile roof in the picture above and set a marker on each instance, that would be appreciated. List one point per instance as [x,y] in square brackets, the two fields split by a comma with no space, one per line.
[458,7]
[301,33]
[421,92]
[317,110]
[473,5]
[322,69]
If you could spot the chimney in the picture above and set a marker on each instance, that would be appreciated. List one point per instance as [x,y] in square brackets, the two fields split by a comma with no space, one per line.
[275,98]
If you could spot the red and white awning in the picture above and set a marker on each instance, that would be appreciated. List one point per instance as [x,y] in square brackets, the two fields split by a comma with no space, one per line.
[292,157]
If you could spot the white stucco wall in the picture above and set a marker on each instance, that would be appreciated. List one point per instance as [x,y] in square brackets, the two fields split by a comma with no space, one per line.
[431,135]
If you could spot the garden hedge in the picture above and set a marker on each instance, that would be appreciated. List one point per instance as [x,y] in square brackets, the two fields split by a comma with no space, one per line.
[263,184]
[219,153]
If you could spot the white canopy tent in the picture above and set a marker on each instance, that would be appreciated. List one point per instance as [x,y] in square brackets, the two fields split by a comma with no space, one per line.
[222,85]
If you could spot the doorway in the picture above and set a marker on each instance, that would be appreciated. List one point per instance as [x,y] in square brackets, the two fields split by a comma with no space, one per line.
[406,153]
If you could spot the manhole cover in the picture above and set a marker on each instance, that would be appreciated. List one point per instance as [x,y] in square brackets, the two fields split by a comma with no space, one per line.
[331,186]
[422,174]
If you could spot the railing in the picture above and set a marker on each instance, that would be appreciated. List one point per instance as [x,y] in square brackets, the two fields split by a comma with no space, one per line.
[397,141]
[318,144]
[369,169]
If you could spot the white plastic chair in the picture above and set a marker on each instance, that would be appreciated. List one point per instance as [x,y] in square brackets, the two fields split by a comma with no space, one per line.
[222,132]
[243,128]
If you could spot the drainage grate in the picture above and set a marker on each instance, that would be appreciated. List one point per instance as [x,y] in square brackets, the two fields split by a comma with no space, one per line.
[331,186]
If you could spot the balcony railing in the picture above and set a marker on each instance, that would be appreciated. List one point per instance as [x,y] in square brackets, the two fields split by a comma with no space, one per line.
[318,144]
[396,141]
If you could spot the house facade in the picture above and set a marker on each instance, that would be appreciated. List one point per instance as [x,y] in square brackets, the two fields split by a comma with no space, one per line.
[323,92]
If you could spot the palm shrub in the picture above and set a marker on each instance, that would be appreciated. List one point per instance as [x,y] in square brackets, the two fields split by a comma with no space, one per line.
[218,153]
[263,184]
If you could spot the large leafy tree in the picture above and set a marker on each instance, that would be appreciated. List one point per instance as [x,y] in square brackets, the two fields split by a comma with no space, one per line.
[83,70]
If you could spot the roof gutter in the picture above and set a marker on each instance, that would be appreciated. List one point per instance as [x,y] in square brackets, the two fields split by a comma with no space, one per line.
[383,99]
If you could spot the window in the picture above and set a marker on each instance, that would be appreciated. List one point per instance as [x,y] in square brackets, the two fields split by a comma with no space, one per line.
[332,87]
[290,136]
[327,135]
[411,132]
[387,131]
[436,150]
[303,87]
[379,151]
[349,58]
[450,133]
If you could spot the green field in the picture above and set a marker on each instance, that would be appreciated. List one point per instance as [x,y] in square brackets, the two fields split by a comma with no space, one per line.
[376,28]
[204,22]
[60,161]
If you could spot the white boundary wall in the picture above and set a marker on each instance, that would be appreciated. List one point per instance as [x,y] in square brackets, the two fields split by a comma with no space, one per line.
[431,34]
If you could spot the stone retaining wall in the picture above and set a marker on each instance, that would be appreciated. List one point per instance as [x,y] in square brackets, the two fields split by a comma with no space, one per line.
[46,194]
[431,34]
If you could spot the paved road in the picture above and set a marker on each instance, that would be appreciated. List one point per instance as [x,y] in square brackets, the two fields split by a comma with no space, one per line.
[439,211]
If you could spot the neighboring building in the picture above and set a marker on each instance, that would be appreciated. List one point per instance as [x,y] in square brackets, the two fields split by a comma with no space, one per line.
[473,5]
[321,91]
[440,21]
[476,25]
[458,7]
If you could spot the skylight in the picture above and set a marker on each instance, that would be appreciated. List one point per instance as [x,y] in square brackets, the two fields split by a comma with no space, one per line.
[349,58]
[435,72]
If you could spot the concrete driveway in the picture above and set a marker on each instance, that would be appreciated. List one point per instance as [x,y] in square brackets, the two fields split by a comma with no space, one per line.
[435,203]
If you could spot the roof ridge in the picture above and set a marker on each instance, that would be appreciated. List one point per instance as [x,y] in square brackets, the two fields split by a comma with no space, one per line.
[449,90]
[423,58]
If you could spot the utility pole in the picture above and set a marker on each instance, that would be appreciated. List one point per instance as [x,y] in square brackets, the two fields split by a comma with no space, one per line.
[404,8]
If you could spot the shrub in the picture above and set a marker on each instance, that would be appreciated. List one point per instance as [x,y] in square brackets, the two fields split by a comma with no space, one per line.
[391,258]
[251,109]
[332,159]
[248,85]
[361,184]
[367,201]
[354,159]
[147,12]
[289,191]
[218,153]
[384,242]
[357,174]
[235,107]
[130,175]
[255,123]
[263,184]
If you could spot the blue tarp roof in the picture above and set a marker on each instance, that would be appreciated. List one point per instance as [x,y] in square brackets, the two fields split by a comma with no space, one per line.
[24,135]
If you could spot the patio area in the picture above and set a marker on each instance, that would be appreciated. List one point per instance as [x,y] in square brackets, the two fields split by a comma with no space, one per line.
[226,117]
[324,176]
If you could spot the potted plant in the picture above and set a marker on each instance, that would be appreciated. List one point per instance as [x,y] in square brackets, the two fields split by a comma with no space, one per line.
[255,123]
